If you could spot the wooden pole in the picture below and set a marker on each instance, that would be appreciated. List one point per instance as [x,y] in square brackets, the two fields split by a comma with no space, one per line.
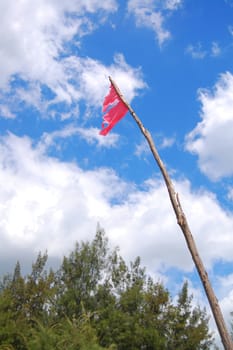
[182,222]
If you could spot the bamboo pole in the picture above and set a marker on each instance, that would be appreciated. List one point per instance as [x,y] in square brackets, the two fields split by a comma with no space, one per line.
[182,222]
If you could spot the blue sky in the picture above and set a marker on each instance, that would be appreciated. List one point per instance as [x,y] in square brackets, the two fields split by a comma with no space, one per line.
[172,59]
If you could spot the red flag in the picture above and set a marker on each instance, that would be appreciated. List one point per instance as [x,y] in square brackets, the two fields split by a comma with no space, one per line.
[114,110]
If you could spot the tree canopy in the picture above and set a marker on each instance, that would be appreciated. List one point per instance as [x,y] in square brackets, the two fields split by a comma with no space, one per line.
[96,301]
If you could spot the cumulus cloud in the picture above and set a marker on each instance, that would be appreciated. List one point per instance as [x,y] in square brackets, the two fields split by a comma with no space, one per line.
[226,306]
[49,204]
[93,78]
[211,140]
[90,85]
[152,15]
[46,203]
[35,33]
[90,135]
[225,293]
[37,66]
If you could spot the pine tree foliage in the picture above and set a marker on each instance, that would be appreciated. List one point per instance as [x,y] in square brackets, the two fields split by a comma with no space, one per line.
[96,301]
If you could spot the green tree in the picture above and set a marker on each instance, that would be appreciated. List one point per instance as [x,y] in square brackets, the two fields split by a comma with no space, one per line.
[23,299]
[188,325]
[40,290]
[81,274]
[13,324]
[96,301]
[75,334]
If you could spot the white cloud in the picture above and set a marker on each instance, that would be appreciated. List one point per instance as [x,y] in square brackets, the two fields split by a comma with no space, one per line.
[142,149]
[226,306]
[196,51]
[230,193]
[212,138]
[173,4]
[224,290]
[34,55]
[226,302]
[90,135]
[162,241]
[5,112]
[91,85]
[50,204]
[226,282]
[36,31]
[167,142]
[46,203]
[215,49]
[93,78]
[150,14]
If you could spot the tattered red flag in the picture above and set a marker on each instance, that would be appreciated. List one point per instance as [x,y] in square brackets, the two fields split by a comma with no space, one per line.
[114,110]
